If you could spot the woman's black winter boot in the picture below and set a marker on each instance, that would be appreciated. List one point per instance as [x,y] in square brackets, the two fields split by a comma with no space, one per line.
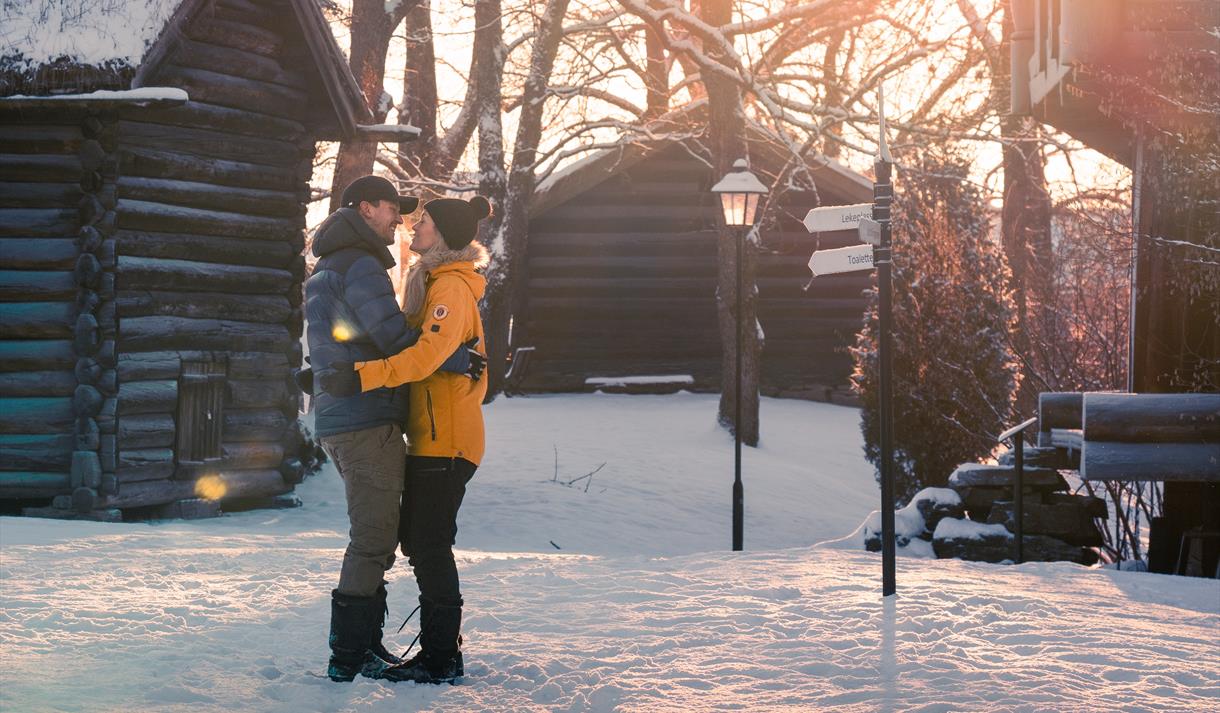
[440,657]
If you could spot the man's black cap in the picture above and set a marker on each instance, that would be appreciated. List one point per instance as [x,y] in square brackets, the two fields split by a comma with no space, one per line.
[376,188]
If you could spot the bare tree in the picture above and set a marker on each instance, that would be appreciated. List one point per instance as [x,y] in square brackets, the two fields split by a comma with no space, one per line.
[727,136]
[509,244]
[371,28]
[493,180]
[1025,219]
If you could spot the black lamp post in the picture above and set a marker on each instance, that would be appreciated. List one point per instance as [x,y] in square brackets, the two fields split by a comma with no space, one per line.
[883,197]
[740,193]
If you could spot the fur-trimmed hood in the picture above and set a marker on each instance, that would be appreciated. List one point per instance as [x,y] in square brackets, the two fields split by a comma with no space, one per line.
[441,260]
[473,253]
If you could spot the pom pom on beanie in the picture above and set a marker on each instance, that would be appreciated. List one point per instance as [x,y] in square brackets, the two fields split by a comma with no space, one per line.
[480,208]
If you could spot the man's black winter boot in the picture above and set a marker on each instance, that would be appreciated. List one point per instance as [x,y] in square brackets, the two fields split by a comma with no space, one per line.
[352,620]
[379,650]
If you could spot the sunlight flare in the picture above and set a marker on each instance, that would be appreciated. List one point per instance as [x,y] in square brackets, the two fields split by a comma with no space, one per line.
[211,487]
[342,331]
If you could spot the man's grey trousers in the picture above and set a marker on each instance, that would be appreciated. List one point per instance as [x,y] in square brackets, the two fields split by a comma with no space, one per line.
[373,464]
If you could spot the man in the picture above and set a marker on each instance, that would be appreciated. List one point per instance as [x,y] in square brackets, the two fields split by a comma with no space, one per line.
[353,316]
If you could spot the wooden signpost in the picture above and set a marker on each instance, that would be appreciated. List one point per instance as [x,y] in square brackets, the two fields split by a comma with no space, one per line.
[872,223]
[848,259]
[837,217]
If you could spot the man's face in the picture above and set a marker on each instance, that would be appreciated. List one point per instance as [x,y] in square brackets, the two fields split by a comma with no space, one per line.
[382,217]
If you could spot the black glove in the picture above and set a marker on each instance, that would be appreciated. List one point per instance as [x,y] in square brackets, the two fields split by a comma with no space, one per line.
[304,379]
[340,380]
[478,362]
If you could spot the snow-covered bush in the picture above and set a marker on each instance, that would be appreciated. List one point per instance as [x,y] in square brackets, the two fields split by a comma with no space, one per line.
[954,373]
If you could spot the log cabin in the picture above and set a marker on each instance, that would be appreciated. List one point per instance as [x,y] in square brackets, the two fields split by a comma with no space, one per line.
[1139,81]
[155,159]
[622,272]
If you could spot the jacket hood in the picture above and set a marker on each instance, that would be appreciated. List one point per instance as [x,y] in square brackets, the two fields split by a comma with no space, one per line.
[346,229]
[465,271]
[464,263]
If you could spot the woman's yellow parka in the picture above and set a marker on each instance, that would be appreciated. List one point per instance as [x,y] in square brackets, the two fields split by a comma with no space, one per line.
[445,416]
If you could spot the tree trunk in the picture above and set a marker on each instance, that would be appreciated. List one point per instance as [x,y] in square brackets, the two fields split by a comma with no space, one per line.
[656,74]
[509,242]
[419,95]
[1025,229]
[371,31]
[492,177]
[834,94]
[1025,224]
[726,131]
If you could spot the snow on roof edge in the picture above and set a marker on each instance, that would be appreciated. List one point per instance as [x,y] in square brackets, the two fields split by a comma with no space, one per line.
[141,94]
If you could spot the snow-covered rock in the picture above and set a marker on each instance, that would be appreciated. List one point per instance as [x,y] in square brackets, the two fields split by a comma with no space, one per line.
[913,524]
[979,542]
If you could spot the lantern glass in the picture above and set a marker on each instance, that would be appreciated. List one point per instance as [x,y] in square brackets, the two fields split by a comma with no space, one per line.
[734,207]
[751,209]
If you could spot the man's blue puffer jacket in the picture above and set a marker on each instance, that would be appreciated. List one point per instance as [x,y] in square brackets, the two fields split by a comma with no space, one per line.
[353,316]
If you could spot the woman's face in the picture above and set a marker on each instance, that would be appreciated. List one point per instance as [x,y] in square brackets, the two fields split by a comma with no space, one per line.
[424,233]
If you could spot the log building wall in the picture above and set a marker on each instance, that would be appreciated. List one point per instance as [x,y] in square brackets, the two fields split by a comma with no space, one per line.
[57,310]
[139,238]
[622,282]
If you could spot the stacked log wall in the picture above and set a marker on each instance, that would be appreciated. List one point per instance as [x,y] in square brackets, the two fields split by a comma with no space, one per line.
[210,232]
[57,311]
[622,281]
[134,237]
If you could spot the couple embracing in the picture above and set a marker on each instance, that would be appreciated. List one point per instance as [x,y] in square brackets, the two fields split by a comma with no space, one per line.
[381,372]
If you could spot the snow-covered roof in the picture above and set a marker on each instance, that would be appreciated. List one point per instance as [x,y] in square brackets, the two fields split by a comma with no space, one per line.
[599,165]
[87,32]
[76,47]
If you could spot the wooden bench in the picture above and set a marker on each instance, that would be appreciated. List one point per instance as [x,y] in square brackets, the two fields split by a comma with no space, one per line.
[518,366]
[657,384]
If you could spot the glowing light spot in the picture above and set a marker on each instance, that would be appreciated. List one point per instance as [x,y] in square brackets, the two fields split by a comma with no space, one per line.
[210,487]
[342,331]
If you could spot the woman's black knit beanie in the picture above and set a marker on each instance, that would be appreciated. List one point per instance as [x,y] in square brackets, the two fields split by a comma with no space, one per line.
[458,220]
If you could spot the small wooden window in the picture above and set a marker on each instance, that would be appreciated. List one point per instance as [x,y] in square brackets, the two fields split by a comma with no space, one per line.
[201,397]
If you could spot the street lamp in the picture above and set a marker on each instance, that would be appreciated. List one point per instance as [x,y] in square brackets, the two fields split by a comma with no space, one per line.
[740,192]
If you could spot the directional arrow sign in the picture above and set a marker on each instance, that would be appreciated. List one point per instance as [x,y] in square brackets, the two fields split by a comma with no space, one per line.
[850,259]
[869,231]
[837,217]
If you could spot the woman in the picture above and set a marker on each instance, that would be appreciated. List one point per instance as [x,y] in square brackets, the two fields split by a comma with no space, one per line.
[444,420]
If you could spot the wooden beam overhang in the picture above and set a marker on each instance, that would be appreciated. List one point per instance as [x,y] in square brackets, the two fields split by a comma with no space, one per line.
[350,105]
[382,133]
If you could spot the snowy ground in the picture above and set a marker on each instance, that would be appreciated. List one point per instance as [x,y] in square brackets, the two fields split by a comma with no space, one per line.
[642,608]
